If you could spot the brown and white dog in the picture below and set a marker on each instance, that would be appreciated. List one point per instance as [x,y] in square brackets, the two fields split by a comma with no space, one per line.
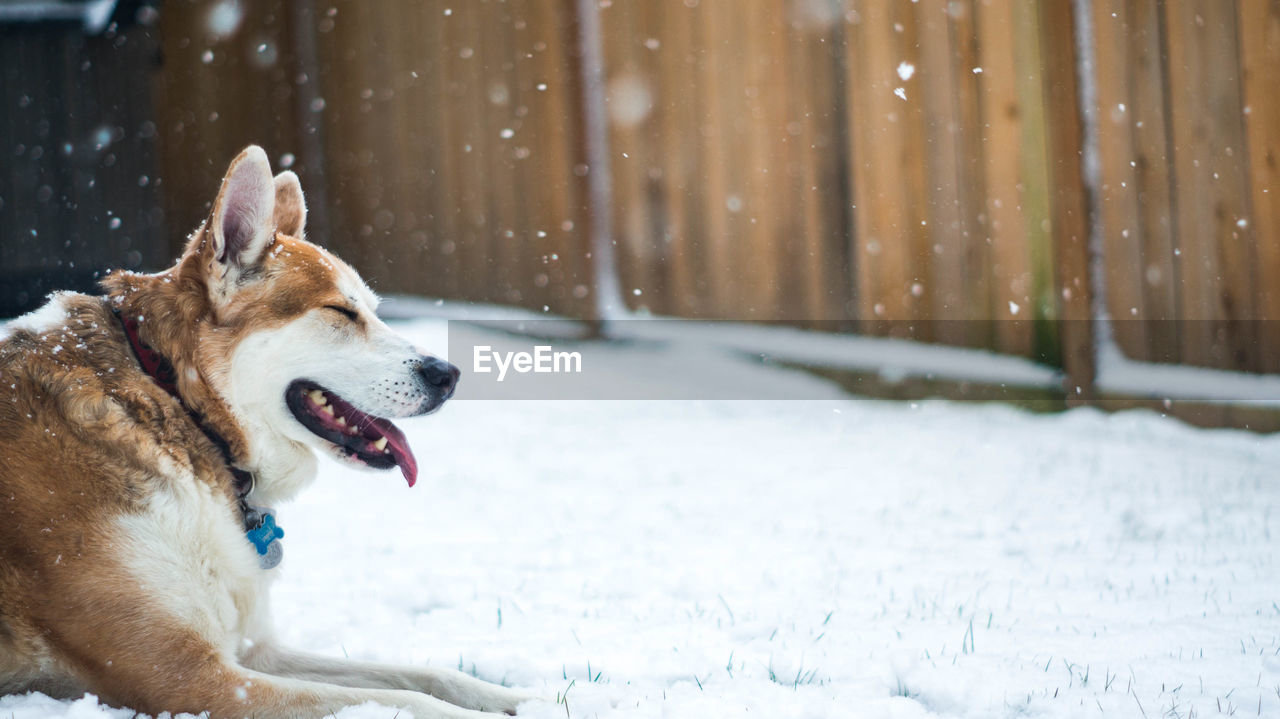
[139,430]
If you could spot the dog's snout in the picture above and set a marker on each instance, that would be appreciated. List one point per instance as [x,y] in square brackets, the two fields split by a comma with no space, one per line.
[439,374]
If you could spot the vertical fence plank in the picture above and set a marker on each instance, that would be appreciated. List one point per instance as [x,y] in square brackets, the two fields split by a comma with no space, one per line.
[473,143]
[1153,177]
[829,258]
[710,154]
[1033,64]
[885,215]
[435,91]
[534,266]
[815,127]
[978,294]
[737,67]
[937,82]
[565,193]
[1117,192]
[1069,206]
[1260,59]
[630,99]
[749,158]
[685,138]
[670,46]
[916,167]
[502,133]
[1002,121]
[1215,267]
[723,81]
[767,202]
[1197,260]
[791,220]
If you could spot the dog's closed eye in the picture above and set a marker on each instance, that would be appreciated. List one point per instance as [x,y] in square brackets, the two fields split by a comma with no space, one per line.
[344,311]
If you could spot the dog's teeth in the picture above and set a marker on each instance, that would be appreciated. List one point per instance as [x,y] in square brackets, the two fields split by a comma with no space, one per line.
[327,410]
[318,397]
[381,444]
[342,421]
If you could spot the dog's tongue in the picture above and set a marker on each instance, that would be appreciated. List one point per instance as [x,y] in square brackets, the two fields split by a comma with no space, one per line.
[399,448]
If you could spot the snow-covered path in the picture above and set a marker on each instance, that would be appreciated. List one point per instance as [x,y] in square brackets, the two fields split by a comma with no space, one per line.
[800,559]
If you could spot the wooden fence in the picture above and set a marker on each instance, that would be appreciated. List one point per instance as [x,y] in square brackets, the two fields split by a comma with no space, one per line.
[78,188]
[879,166]
[1189,127]
[811,161]
[446,136]
[877,162]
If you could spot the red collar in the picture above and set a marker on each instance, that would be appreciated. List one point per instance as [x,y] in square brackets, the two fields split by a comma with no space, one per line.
[152,362]
[161,370]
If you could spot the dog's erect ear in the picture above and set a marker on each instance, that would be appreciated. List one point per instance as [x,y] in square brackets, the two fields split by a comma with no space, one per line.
[291,209]
[244,213]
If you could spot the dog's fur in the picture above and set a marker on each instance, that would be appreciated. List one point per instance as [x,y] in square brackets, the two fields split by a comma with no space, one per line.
[124,566]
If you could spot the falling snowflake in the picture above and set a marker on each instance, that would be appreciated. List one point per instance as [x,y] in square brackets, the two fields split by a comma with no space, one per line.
[224,19]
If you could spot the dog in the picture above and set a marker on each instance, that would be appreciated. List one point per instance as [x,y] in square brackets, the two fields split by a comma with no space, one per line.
[142,435]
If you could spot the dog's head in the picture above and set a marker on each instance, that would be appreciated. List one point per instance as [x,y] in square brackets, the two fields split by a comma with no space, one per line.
[293,347]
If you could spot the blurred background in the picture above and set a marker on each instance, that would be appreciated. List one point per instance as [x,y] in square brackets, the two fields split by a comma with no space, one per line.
[1070,182]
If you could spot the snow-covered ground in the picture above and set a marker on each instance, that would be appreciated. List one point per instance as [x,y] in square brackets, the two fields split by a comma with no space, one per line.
[818,558]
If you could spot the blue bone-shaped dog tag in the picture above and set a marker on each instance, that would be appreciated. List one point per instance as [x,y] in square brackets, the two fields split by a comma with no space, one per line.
[264,538]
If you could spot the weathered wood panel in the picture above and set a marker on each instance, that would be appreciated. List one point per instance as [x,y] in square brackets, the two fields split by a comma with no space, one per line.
[1216,267]
[1157,273]
[1187,118]
[1068,200]
[227,80]
[79,188]
[876,163]
[1118,200]
[888,182]
[1260,61]
[450,135]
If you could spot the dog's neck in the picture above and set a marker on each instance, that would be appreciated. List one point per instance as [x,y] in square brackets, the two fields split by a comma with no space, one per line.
[173,317]
[162,372]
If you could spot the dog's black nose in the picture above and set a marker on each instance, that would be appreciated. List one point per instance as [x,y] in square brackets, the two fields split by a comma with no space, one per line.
[439,374]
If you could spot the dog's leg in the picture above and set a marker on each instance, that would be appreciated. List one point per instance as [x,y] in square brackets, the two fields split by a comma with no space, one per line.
[146,661]
[201,683]
[236,693]
[452,686]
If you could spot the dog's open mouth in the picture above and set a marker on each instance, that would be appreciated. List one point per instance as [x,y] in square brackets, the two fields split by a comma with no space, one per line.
[371,440]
